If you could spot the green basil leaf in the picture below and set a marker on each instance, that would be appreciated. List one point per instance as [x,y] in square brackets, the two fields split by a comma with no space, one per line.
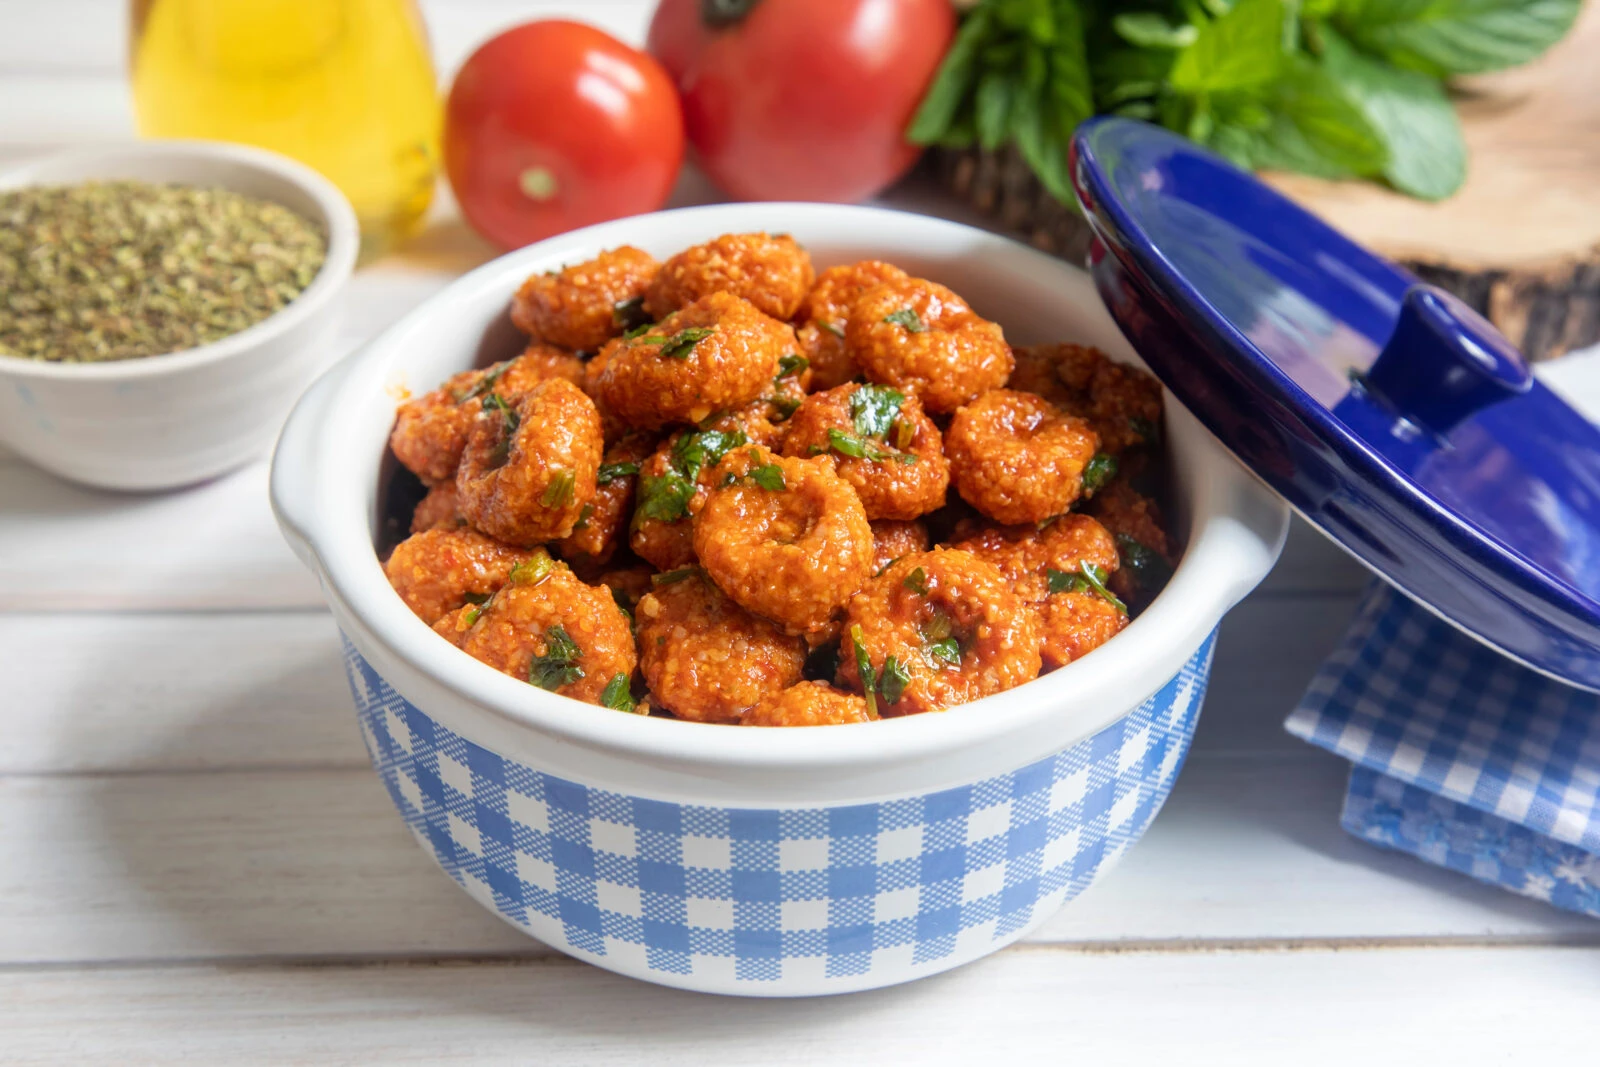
[1149,29]
[873,409]
[992,109]
[664,497]
[869,680]
[610,472]
[559,664]
[955,82]
[946,650]
[892,680]
[1410,113]
[907,318]
[1312,127]
[560,491]
[1237,50]
[616,694]
[682,343]
[916,581]
[1098,471]
[769,477]
[1149,570]
[671,577]
[1446,37]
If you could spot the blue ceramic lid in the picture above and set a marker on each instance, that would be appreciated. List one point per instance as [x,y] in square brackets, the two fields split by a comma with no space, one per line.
[1390,415]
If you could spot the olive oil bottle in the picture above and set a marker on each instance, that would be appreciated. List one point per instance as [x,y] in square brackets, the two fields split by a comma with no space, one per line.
[346,86]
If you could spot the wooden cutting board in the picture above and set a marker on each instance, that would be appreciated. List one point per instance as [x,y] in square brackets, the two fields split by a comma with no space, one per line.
[1520,241]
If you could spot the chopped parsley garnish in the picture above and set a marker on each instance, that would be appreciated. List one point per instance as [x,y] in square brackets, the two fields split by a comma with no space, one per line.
[559,493]
[583,517]
[610,472]
[947,650]
[664,496]
[680,344]
[639,331]
[669,577]
[559,664]
[616,695]
[630,314]
[1088,578]
[874,408]
[1150,571]
[1148,431]
[784,406]
[849,444]
[533,571]
[769,477]
[869,678]
[908,318]
[916,581]
[695,451]
[508,431]
[832,327]
[792,364]
[937,628]
[485,383]
[892,680]
[1098,471]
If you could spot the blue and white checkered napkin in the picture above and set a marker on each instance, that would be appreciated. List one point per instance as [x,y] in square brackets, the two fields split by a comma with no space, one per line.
[1462,757]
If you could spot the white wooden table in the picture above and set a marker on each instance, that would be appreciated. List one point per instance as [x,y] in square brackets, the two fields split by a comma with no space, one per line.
[198,865]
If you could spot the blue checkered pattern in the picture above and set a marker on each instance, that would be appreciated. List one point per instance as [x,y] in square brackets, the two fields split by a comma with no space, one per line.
[1461,756]
[731,898]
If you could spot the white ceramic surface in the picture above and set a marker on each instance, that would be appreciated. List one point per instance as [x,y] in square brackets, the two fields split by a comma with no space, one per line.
[170,420]
[329,464]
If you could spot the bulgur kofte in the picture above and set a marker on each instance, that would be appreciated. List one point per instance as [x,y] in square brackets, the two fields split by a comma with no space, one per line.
[729,488]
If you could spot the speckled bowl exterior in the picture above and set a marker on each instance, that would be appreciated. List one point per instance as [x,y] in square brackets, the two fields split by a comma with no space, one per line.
[791,901]
[765,862]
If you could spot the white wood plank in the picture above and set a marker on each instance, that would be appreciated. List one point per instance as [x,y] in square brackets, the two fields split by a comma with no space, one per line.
[317,865]
[213,546]
[95,693]
[1022,1006]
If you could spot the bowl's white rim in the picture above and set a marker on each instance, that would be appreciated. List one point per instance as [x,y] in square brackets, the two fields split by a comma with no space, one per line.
[338,219]
[1237,530]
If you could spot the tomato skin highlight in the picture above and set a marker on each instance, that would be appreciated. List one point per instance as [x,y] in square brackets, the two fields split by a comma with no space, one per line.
[553,125]
[804,99]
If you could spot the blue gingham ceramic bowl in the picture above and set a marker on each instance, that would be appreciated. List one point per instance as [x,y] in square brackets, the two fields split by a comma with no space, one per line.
[764,862]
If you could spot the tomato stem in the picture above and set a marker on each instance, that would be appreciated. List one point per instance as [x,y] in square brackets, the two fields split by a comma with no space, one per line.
[538,183]
[718,13]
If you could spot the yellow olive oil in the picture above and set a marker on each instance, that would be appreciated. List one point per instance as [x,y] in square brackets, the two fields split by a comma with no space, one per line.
[346,86]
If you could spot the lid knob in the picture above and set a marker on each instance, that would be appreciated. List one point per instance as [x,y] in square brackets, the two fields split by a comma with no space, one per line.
[1444,362]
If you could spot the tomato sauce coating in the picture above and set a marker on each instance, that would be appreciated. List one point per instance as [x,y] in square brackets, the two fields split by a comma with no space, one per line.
[438,510]
[881,442]
[704,657]
[785,538]
[1017,458]
[437,571]
[825,311]
[772,272]
[603,521]
[551,630]
[946,625]
[530,467]
[716,354]
[808,704]
[1027,554]
[583,306]
[893,538]
[1071,625]
[919,336]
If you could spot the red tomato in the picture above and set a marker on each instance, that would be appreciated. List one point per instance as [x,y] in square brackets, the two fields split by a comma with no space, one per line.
[555,125]
[802,99]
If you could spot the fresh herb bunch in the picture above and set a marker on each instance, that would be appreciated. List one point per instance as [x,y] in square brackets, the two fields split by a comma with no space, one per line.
[1330,88]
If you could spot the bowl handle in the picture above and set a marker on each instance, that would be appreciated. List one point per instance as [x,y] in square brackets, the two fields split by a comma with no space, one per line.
[294,483]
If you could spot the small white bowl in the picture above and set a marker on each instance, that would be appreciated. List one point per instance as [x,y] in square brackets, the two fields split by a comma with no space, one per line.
[764,862]
[164,421]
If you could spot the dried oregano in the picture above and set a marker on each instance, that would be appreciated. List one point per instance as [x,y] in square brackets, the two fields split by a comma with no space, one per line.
[120,269]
